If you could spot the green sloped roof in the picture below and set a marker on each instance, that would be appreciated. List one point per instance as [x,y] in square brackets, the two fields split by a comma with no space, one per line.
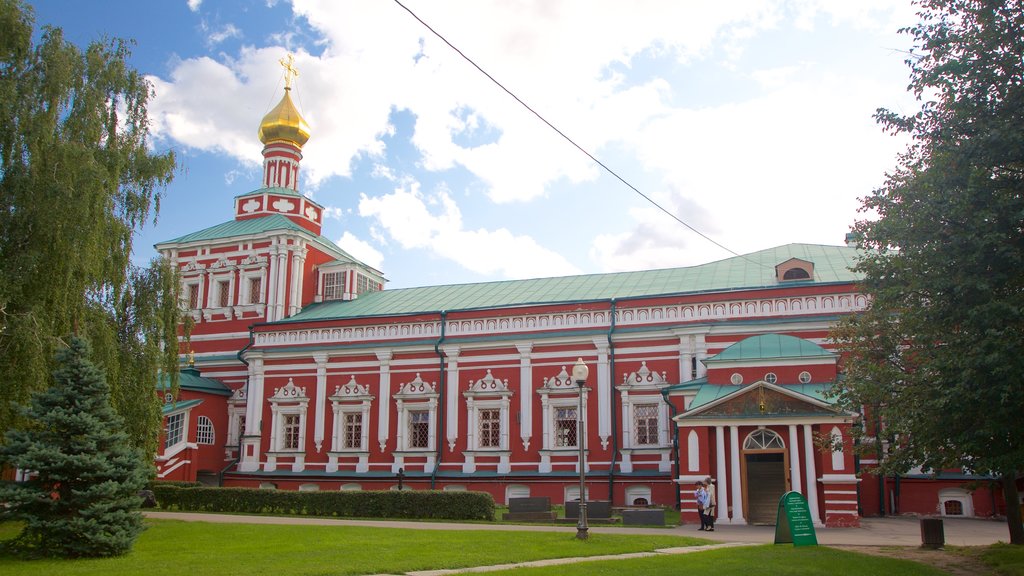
[189,379]
[769,346]
[252,226]
[755,270]
[174,406]
[710,392]
[276,190]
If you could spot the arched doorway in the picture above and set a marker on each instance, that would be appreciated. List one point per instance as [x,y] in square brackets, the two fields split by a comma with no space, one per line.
[764,475]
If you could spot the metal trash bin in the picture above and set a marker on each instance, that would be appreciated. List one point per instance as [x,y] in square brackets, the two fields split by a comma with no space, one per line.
[932,534]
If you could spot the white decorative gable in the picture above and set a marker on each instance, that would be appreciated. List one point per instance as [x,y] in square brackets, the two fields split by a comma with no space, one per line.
[643,378]
[351,390]
[488,386]
[417,388]
[289,393]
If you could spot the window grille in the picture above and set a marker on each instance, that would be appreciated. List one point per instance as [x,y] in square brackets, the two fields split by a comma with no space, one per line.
[645,424]
[763,440]
[489,428]
[175,429]
[255,286]
[223,293]
[565,428]
[353,430]
[291,432]
[204,430]
[193,296]
[334,285]
[419,429]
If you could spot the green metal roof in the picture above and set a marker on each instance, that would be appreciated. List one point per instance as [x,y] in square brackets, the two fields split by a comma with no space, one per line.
[756,270]
[253,226]
[710,392]
[175,406]
[189,379]
[276,190]
[768,346]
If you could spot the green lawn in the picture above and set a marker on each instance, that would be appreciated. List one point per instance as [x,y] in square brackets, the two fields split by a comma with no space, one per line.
[198,549]
[1005,559]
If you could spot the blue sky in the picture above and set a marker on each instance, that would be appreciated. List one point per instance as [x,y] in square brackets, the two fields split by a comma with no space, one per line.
[749,119]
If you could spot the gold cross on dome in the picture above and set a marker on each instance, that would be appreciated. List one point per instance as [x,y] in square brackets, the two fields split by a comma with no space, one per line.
[289,70]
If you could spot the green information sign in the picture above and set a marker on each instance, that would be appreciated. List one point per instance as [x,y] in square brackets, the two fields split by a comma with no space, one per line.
[793,523]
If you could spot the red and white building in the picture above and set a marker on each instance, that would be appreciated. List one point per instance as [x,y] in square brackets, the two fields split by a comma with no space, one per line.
[328,381]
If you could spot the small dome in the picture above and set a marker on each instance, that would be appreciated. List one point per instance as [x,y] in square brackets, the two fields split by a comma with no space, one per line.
[284,123]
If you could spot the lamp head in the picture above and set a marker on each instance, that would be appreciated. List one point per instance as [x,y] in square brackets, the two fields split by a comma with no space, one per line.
[580,372]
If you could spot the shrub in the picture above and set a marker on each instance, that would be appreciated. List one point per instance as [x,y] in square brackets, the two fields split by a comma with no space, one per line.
[419,504]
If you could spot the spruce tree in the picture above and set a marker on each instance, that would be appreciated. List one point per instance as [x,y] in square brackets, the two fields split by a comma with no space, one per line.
[82,496]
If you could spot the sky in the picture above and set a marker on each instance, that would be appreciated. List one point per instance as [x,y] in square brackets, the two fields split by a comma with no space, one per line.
[749,120]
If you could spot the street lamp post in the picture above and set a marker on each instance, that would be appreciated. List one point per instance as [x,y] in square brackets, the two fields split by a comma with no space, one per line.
[579,375]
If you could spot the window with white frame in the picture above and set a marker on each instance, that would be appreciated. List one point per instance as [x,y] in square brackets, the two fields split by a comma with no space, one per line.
[351,407]
[204,430]
[288,408]
[223,293]
[417,409]
[175,429]
[566,422]
[487,404]
[193,295]
[364,284]
[645,424]
[236,417]
[334,285]
[255,285]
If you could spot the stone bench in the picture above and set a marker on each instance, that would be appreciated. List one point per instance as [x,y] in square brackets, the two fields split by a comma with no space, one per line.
[596,509]
[529,509]
[643,517]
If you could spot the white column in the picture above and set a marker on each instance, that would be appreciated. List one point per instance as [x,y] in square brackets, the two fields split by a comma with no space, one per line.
[321,399]
[812,484]
[686,361]
[737,489]
[604,390]
[794,460]
[451,397]
[722,492]
[384,405]
[282,278]
[250,456]
[275,271]
[702,353]
[525,394]
[298,261]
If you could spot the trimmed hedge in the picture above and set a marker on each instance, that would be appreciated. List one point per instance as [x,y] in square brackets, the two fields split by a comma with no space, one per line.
[418,504]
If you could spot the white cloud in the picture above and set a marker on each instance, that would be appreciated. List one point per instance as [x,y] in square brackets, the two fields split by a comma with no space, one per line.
[361,250]
[406,217]
[225,33]
[193,5]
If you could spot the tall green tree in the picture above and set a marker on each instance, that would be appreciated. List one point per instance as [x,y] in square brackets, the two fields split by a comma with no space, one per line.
[77,179]
[82,498]
[939,357]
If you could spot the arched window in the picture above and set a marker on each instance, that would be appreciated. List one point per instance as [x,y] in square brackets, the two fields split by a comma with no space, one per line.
[204,430]
[796,274]
[763,439]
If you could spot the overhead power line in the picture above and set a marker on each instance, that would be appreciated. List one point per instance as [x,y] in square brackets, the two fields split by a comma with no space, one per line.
[562,134]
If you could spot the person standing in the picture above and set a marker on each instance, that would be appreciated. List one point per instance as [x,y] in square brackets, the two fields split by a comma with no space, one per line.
[701,495]
[712,507]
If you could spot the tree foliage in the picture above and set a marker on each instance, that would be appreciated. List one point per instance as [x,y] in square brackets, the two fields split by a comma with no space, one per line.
[77,178]
[939,357]
[82,499]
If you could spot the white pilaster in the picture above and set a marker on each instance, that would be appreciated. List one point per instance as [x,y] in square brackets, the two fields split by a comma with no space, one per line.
[451,397]
[794,461]
[722,492]
[686,361]
[702,354]
[525,394]
[282,278]
[321,399]
[604,390]
[737,488]
[298,261]
[250,457]
[275,271]
[384,406]
[812,484]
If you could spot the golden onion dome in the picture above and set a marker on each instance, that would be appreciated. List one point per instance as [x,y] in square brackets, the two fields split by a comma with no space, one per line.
[284,123]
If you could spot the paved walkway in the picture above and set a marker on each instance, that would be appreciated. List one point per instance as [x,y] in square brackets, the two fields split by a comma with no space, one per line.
[898,531]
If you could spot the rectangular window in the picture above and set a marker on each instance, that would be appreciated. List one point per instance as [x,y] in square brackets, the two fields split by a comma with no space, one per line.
[565,428]
[255,285]
[489,428]
[419,429]
[334,285]
[365,284]
[223,293]
[291,432]
[193,296]
[353,431]
[645,424]
[175,429]
[241,426]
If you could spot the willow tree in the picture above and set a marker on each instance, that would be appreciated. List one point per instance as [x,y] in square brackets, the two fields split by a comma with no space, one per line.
[938,357]
[77,179]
